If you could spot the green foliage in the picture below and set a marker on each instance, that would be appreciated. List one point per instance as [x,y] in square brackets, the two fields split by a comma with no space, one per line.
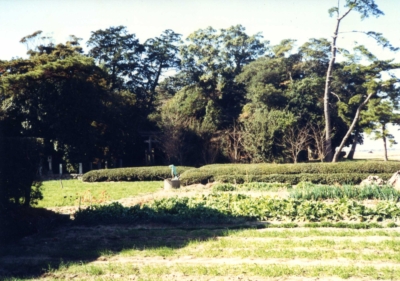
[18,167]
[323,173]
[262,129]
[224,187]
[251,186]
[154,173]
[361,225]
[320,192]
[61,96]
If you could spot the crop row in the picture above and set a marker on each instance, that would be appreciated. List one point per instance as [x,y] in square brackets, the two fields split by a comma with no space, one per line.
[226,207]
[309,191]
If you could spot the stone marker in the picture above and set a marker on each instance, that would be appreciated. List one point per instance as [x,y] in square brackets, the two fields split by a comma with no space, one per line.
[49,159]
[372,180]
[394,181]
[172,183]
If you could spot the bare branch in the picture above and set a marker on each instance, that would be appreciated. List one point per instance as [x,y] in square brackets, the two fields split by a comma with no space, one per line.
[336,95]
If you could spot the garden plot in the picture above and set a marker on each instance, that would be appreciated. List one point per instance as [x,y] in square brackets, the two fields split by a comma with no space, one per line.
[222,232]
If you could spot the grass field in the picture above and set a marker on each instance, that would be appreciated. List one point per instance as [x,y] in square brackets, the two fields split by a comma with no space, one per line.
[156,251]
[68,192]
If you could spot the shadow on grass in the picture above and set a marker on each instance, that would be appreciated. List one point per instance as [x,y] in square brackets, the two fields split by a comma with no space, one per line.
[109,230]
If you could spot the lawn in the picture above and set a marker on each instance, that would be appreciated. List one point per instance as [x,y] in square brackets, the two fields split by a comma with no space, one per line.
[68,192]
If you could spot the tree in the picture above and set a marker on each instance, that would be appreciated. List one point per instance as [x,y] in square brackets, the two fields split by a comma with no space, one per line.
[232,143]
[295,140]
[365,8]
[133,66]
[212,59]
[369,87]
[63,97]
[119,53]
[379,115]
[18,171]
[292,80]
[179,139]
[161,54]
[263,130]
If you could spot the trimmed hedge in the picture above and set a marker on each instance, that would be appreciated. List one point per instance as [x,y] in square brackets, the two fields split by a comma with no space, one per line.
[343,178]
[154,173]
[322,173]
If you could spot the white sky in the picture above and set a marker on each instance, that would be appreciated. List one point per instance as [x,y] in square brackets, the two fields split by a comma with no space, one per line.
[275,19]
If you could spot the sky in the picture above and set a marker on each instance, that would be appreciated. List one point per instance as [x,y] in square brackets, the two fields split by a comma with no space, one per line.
[275,19]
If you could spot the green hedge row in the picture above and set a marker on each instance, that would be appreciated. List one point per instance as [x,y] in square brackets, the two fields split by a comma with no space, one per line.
[369,167]
[192,177]
[154,173]
[322,173]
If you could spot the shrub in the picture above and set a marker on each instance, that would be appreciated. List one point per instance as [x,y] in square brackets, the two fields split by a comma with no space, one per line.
[18,166]
[252,186]
[153,173]
[224,187]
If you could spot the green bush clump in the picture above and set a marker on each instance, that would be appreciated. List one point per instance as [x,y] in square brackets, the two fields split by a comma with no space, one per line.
[227,207]
[264,186]
[224,187]
[252,186]
[361,225]
[321,192]
[153,173]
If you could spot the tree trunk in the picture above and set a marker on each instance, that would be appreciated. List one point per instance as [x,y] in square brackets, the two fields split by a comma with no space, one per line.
[327,114]
[350,156]
[385,156]
[351,128]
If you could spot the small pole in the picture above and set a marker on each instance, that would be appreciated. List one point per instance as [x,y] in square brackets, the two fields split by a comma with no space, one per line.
[80,168]
[60,176]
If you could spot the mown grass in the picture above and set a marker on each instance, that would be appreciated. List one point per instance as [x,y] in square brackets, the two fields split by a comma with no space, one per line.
[67,193]
[105,253]
[232,247]
[160,272]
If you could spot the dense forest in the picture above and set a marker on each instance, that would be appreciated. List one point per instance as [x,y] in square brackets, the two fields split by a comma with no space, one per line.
[217,96]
